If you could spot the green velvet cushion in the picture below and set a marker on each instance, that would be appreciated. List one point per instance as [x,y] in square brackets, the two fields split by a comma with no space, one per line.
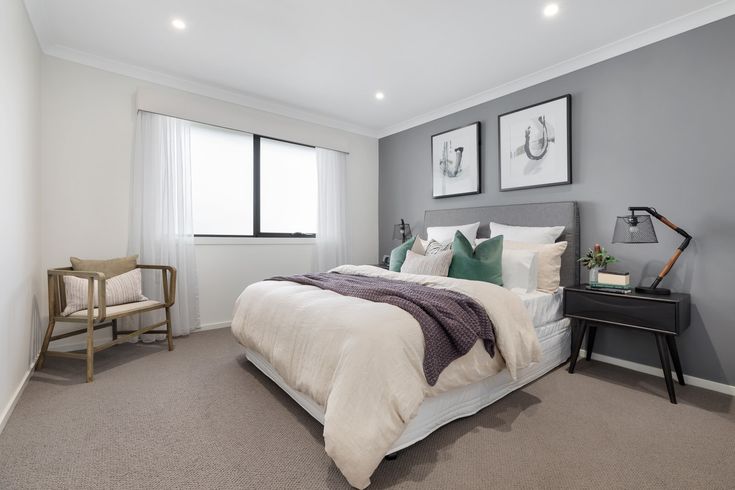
[484,263]
[398,255]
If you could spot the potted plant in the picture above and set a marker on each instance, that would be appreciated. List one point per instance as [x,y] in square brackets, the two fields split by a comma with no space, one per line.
[595,260]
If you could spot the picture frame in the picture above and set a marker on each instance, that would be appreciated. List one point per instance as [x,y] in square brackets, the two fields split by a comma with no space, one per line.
[455,162]
[535,145]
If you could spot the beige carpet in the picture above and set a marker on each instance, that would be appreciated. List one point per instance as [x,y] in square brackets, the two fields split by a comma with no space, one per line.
[202,417]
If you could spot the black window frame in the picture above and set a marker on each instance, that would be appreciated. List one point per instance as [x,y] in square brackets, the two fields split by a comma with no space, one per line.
[256,196]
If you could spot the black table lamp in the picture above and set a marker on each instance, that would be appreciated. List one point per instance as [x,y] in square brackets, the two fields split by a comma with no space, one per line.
[639,229]
[402,231]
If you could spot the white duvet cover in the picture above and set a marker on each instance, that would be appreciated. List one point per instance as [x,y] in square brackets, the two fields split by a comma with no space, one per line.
[362,361]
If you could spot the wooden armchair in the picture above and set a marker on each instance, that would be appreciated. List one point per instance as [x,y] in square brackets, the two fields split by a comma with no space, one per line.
[103,315]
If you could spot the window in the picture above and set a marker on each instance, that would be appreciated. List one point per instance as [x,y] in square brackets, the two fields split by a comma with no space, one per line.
[250,185]
[288,187]
[221,181]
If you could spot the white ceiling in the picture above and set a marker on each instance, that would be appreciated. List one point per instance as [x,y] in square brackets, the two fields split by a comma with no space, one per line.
[323,60]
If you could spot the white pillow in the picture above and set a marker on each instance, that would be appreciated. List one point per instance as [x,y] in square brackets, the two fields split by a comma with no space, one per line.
[121,289]
[429,265]
[444,234]
[520,270]
[526,234]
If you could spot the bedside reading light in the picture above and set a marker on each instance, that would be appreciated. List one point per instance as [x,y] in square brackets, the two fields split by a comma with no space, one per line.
[402,231]
[639,229]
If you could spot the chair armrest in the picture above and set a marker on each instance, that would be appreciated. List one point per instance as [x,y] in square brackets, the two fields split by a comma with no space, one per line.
[168,276]
[156,267]
[91,276]
[69,272]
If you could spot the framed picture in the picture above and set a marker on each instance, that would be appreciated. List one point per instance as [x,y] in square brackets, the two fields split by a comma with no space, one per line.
[534,145]
[455,161]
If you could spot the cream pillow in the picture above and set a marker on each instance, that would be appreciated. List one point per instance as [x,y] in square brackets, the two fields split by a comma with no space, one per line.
[444,234]
[526,234]
[428,265]
[121,289]
[548,262]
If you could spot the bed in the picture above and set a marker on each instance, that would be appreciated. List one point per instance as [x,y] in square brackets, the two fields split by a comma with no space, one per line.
[296,310]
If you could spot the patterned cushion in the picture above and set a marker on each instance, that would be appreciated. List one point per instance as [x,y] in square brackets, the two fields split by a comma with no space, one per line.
[435,247]
[428,265]
[125,288]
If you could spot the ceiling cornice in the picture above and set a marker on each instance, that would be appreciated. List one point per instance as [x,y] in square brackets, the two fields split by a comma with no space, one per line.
[201,88]
[698,18]
[654,34]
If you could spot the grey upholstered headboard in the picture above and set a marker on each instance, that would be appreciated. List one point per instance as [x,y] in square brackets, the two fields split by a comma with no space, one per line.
[540,214]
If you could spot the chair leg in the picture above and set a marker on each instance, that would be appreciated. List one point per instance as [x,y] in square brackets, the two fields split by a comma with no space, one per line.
[44,346]
[114,329]
[90,351]
[169,332]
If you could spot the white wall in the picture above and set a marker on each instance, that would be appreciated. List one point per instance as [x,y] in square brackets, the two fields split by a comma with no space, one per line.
[225,270]
[88,127]
[20,286]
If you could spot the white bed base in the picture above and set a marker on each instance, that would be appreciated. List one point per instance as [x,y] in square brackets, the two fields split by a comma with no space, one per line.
[464,401]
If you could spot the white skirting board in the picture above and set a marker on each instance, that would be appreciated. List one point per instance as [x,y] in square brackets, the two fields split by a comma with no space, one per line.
[7,410]
[212,326]
[656,371]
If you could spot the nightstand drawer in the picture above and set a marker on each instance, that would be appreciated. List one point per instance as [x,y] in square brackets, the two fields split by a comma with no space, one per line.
[622,309]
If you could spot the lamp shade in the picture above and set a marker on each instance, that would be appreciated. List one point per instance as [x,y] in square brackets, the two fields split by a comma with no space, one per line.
[402,231]
[634,229]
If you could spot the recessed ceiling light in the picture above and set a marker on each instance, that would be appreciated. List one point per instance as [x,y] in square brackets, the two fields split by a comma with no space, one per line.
[379,95]
[551,10]
[178,24]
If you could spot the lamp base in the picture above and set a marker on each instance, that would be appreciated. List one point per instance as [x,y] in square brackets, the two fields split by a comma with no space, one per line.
[649,290]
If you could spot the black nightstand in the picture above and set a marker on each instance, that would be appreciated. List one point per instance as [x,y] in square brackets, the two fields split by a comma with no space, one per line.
[664,316]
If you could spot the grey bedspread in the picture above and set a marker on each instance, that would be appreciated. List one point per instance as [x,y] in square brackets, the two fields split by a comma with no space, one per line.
[451,322]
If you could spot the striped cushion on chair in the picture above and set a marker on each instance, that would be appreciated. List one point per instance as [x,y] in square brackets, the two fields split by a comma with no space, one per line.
[121,289]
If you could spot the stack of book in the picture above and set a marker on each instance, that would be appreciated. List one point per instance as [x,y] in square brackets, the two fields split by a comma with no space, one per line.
[612,282]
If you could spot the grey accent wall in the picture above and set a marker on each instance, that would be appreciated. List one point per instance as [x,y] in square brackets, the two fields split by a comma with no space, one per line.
[653,127]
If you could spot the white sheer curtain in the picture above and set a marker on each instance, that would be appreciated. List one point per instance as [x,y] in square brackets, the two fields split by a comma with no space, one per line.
[161,228]
[331,234]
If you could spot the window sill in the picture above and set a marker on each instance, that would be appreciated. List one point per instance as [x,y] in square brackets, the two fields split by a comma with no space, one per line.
[205,240]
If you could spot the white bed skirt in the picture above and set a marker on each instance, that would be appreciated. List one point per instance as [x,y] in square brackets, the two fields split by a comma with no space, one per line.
[464,401]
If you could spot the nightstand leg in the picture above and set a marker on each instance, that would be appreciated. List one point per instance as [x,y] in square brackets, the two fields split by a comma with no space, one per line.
[671,341]
[591,331]
[663,353]
[577,337]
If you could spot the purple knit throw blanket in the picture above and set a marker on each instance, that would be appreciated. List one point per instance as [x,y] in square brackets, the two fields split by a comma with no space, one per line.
[451,322]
